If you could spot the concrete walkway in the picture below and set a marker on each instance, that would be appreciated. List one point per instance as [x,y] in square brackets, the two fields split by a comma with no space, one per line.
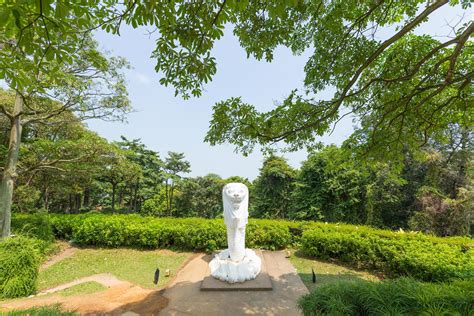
[185,298]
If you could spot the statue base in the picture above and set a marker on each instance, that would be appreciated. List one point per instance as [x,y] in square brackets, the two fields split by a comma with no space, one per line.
[224,269]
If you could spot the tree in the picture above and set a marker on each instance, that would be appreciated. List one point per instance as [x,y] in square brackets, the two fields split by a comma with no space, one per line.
[149,161]
[61,162]
[200,196]
[273,188]
[393,85]
[331,187]
[92,86]
[404,89]
[441,215]
[174,165]
[118,170]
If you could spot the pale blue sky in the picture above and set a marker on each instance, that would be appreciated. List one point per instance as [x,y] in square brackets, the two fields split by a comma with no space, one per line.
[165,123]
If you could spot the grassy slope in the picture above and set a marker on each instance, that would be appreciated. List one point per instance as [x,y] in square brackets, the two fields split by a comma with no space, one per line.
[135,266]
[326,272]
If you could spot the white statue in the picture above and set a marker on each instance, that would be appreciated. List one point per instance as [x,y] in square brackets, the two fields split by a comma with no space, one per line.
[235,264]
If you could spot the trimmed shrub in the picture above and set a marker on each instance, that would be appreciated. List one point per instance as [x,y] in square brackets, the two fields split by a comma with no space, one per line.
[402,256]
[151,232]
[398,253]
[393,297]
[19,263]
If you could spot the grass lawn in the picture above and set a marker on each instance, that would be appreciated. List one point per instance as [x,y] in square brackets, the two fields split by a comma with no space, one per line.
[83,288]
[39,311]
[326,272]
[135,266]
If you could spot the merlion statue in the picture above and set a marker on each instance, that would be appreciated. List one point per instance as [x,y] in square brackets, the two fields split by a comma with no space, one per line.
[235,264]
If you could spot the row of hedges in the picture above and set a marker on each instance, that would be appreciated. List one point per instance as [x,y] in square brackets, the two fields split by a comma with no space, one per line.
[150,232]
[398,253]
[64,224]
[393,297]
[402,256]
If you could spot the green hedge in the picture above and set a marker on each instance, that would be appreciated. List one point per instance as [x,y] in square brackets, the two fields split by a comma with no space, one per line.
[393,297]
[398,253]
[19,263]
[151,232]
[401,256]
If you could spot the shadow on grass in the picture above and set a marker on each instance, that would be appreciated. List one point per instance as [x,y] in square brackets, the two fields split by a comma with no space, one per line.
[329,271]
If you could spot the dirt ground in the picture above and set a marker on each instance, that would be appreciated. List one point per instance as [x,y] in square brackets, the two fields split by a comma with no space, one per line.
[121,297]
[117,300]
[181,297]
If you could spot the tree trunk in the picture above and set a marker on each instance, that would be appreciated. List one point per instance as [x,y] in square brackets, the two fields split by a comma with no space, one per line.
[463,161]
[171,199]
[9,173]
[120,197]
[135,196]
[167,198]
[130,199]
[45,197]
[71,202]
[87,197]
[78,201]
[114,186]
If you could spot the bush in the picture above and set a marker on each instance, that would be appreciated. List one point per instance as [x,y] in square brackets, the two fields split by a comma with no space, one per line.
[19,263]
[398,297]
[399,253]
[421,258]
[36,226]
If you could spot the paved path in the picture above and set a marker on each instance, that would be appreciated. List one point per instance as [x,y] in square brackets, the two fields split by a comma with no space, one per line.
[185,298]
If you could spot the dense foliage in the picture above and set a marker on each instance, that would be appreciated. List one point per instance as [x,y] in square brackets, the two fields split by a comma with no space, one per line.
[407,91]
[397,253]
[69,169]
[392,297]
[19,263]
[273,188]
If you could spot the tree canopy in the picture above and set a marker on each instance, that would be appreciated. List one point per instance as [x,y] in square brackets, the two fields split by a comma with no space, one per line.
[403,88]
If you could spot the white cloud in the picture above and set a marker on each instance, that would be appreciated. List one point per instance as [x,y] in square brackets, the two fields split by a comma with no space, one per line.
[142,78]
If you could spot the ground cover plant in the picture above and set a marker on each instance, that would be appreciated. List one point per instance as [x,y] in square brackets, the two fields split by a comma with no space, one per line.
[402,296]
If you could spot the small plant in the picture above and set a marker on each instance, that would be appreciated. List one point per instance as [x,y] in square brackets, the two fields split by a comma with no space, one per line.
[403,296]
[19,263]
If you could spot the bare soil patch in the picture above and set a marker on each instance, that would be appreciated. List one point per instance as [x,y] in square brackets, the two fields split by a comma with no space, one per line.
[118,299]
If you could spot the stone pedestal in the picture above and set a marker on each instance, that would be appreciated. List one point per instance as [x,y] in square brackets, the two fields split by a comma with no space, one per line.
[261,282]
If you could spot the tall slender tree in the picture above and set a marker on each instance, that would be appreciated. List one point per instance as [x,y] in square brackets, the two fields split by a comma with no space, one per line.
[91,86]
